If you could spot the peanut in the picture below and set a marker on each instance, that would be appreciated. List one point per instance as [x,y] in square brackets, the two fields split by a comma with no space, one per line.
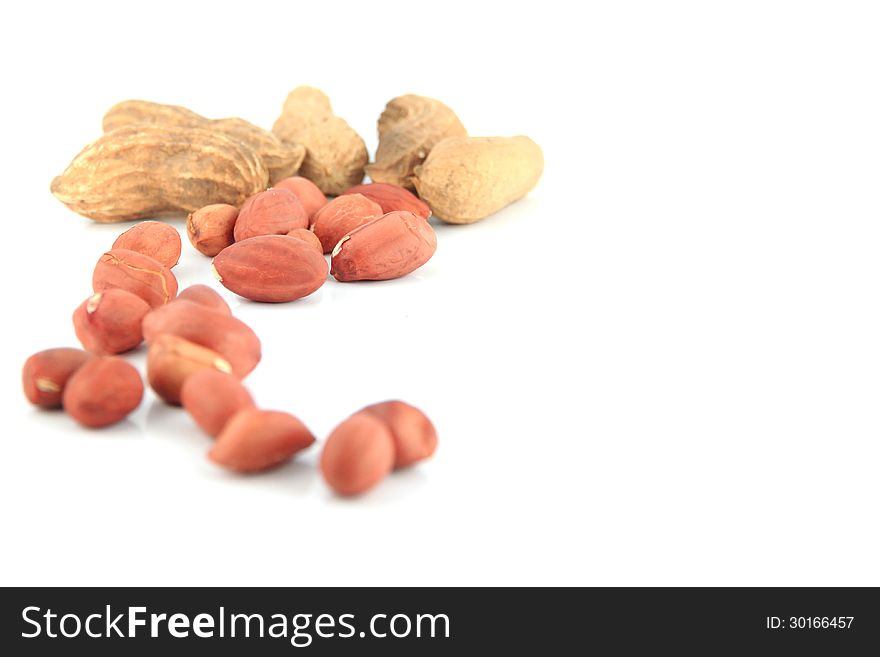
[103,391]
[205,296]
[212,228]
[409,128]
[171,359]
[308,237]
[152,238]
[388,247]
[212,398]
[136,273]
[273,212]
[391,198]
[341,216]
[415,438]
[45,374]
[271,268]
[358,454]
[466,179]
[135,112]
[335,153]
[281,159]
[109,322]
[308,193]
[139,171]
[255,440]
[228,336]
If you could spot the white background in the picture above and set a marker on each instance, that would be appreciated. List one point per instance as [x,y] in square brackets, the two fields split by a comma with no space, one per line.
[662,367]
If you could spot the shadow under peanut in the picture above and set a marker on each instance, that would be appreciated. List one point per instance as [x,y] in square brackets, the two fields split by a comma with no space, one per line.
[398,485]
[295,477]
[56,420]
[165,422]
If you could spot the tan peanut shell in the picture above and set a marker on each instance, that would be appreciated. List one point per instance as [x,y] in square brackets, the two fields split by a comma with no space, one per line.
[109,322]
[335,153]
[466,179]
[103,391]
[156,239]
[282,159]
[228,336]
[271,268]
[341,216]
[140,171]
[212,228]
[45,374]
[255,440]
[388,247]
[409,128]
[133,112]
[136,273]
[172,359]
[212,398]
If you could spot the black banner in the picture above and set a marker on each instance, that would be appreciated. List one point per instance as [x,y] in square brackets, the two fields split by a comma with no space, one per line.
[278,621]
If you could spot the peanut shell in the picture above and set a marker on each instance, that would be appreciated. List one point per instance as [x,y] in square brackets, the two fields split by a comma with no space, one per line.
[409,127]
[335,153]
[281,159]
[466,179]
[142,170]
